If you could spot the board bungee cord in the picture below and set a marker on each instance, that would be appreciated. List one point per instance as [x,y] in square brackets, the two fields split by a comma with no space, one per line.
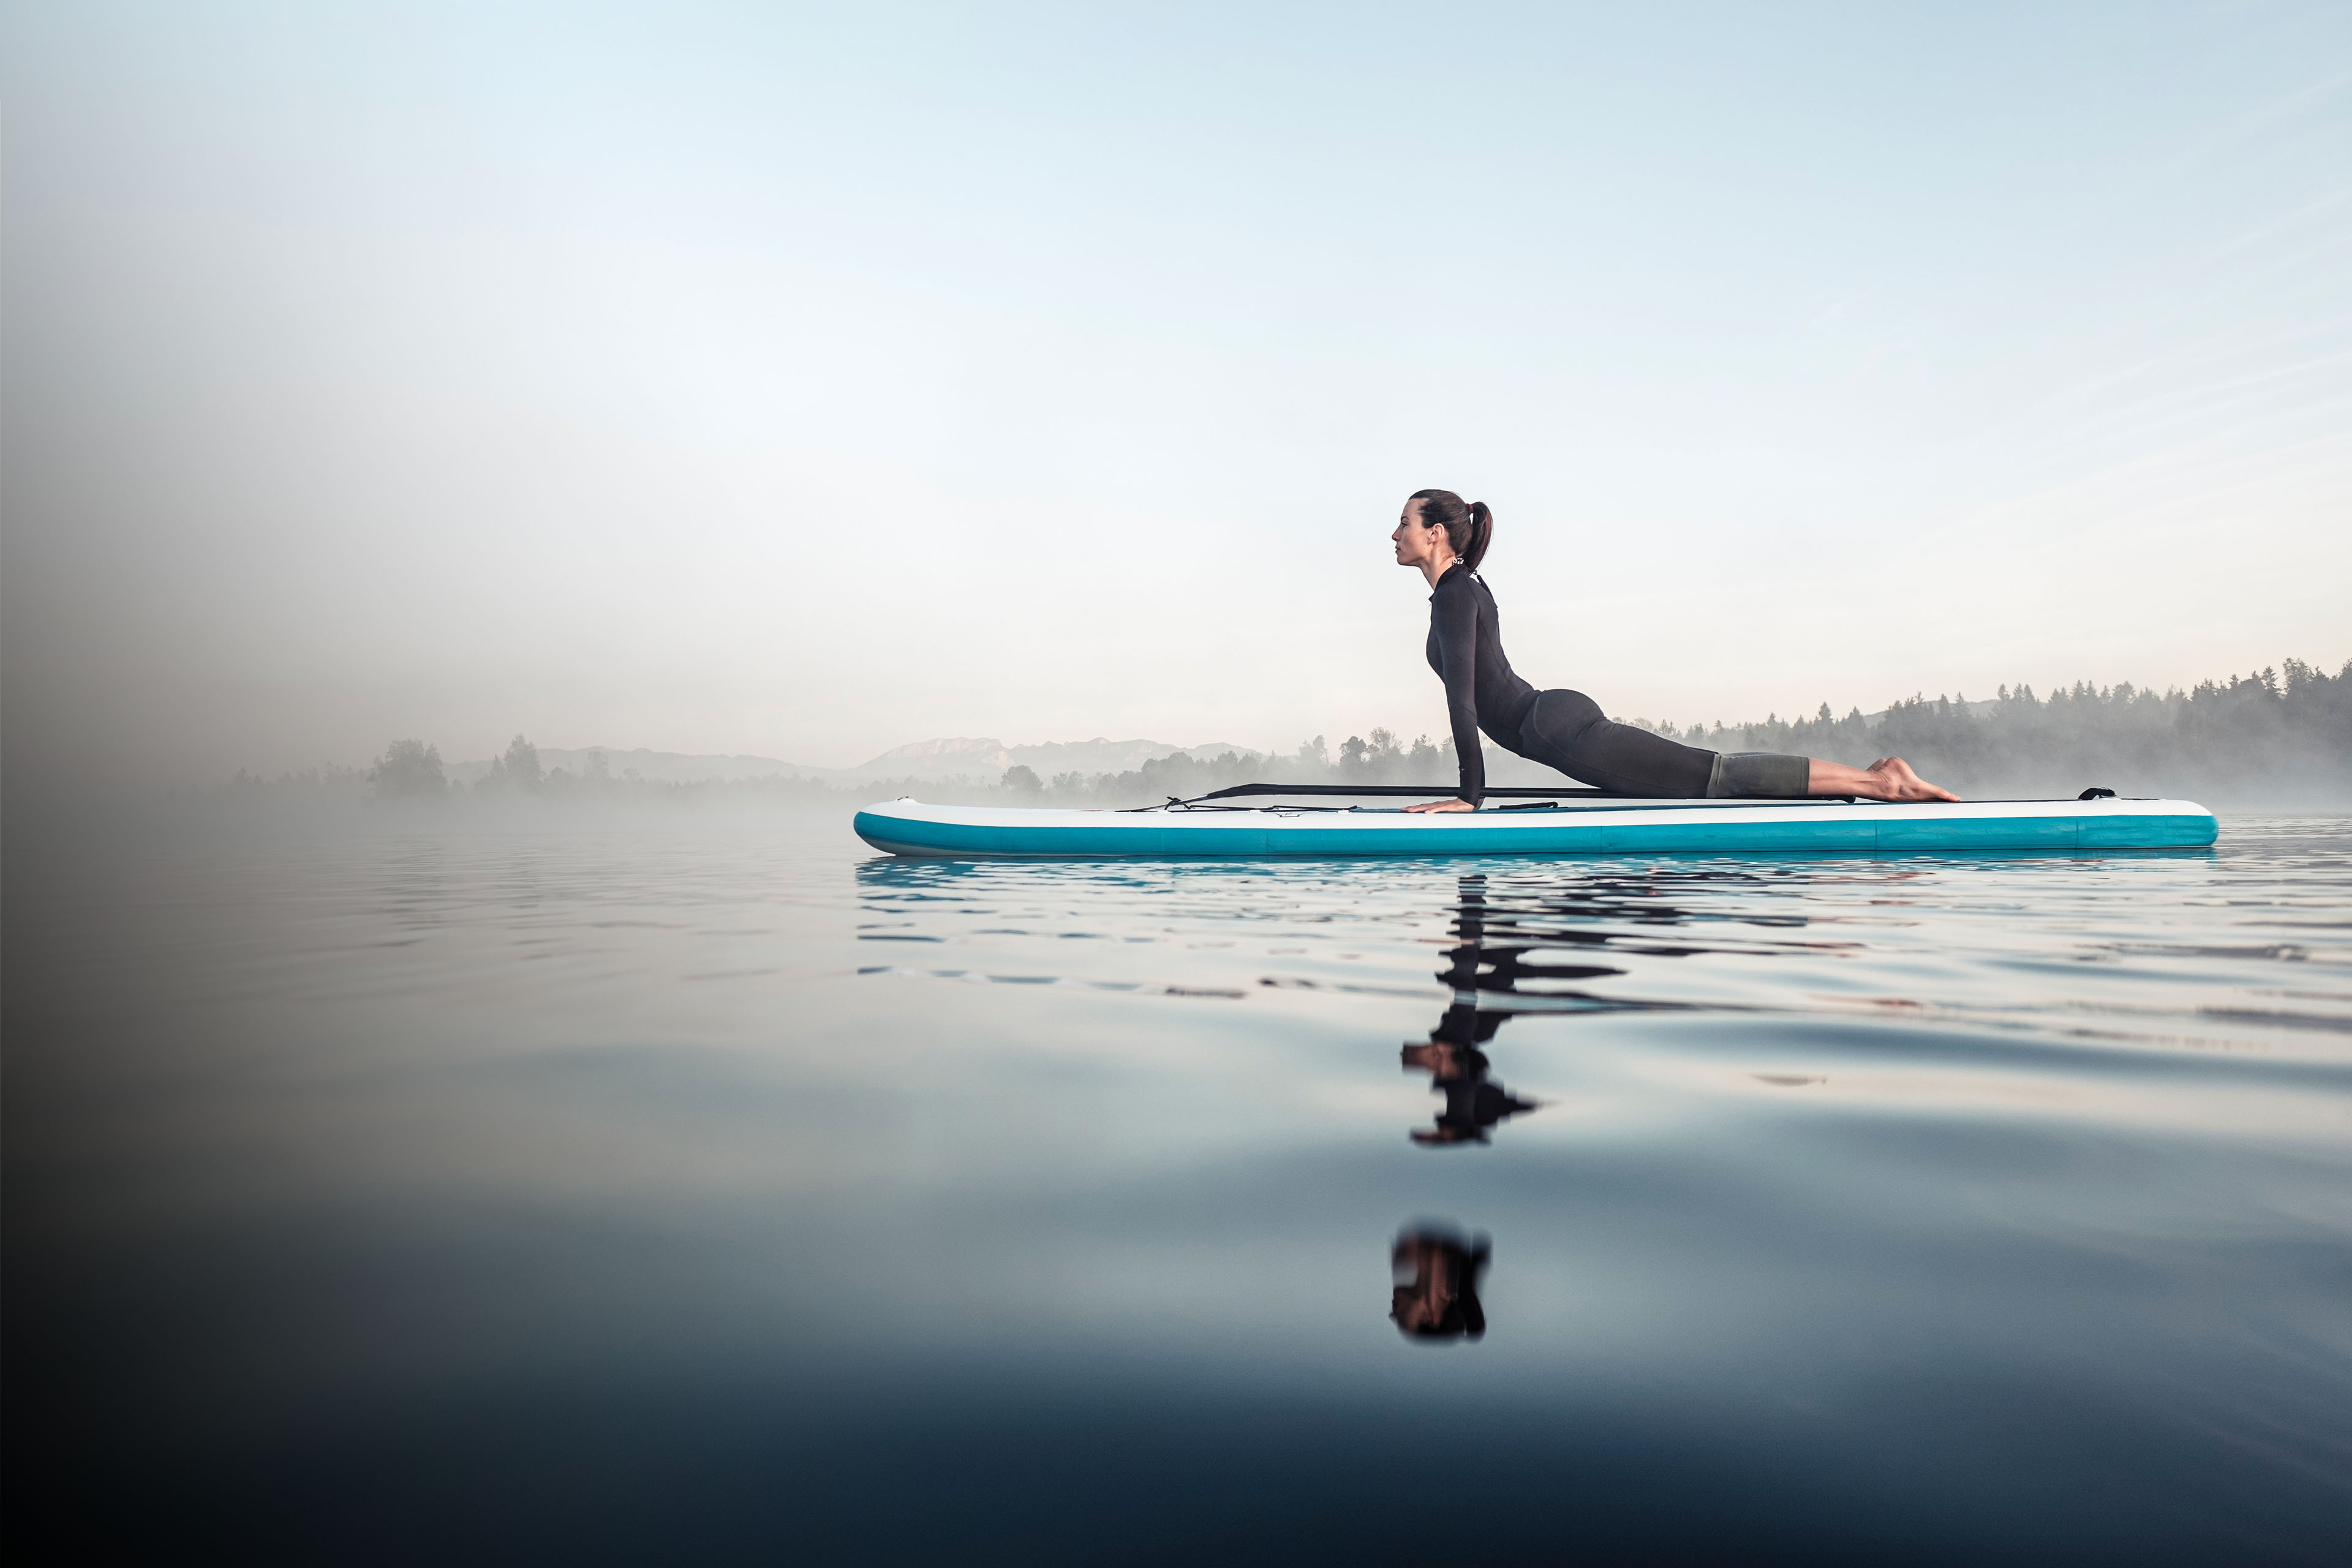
[1546,797]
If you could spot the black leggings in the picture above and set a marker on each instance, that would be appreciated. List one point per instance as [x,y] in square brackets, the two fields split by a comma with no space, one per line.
[1567,730]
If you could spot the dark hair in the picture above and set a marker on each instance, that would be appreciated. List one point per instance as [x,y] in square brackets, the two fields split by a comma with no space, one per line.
[1448,1265]
[1468,526]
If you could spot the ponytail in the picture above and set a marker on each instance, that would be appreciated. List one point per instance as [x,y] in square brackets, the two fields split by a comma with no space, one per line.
[1482,529]
[1468,526]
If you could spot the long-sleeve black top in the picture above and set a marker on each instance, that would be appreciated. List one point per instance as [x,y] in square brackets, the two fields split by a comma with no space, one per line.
[1466,649]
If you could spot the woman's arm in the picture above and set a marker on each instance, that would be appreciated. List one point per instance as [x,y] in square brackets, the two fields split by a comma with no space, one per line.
[1454,617]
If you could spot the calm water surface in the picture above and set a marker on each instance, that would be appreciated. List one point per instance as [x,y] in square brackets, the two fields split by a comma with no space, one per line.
[728,1194]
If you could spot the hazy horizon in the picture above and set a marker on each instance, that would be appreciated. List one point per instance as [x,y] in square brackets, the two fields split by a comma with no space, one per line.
[718,381]
[880,764]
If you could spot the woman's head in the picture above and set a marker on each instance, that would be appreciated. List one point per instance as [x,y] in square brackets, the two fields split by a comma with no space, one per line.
[1465,527]
[1434,1275]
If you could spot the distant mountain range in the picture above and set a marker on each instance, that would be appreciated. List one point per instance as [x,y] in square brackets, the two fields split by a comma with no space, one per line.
[955,757]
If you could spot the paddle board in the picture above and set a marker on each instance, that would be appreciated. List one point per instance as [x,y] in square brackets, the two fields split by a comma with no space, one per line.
[1619,827]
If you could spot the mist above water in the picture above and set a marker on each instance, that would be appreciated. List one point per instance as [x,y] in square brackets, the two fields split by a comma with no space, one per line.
[2263,741]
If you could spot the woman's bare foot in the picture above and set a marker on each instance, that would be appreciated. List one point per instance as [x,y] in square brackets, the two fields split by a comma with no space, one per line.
[1891,778]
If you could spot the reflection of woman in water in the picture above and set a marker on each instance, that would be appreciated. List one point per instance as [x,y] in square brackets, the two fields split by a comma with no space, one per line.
[1565,730]
[1458,1069]
[1435,1272]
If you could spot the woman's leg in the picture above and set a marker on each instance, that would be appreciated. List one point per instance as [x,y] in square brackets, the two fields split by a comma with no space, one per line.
[1771,775]
[1566,729]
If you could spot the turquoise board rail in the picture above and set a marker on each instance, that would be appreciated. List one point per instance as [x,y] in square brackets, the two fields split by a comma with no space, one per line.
[912,828]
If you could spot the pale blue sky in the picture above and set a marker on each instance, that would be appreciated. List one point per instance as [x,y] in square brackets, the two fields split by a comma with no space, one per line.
[808,382]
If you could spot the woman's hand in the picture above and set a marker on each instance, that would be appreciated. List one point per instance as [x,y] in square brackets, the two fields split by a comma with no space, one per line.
[1442,806]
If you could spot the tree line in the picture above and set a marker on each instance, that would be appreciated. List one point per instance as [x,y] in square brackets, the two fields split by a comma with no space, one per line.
[2282,733]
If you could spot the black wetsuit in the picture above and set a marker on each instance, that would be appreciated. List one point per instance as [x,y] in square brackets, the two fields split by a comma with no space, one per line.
[1567,730]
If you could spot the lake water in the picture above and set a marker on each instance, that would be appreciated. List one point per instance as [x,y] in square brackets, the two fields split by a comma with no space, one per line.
[725,1193]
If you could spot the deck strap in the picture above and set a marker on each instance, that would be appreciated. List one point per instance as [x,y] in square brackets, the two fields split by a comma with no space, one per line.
[1424,792]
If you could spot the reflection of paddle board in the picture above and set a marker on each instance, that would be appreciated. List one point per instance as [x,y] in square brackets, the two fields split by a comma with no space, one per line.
[1610,827]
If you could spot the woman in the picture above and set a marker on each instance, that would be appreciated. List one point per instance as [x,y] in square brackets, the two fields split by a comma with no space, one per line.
[1565,730]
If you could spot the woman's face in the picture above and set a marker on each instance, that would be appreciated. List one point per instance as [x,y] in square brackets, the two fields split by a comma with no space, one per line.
[1416,545]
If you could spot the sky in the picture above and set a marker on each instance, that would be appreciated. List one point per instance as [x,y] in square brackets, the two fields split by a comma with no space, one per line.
[805,382]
